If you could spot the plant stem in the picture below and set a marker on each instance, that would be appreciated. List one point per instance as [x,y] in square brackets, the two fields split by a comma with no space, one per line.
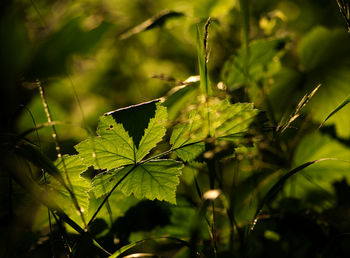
[58,150]
[108,195]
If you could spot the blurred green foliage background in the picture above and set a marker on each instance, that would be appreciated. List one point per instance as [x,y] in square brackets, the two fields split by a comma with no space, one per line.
[92,57]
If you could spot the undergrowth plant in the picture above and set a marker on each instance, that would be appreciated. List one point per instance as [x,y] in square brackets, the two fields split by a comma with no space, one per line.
[209,169]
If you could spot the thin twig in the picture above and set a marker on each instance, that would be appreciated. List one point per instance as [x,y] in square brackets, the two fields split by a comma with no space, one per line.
[58,150]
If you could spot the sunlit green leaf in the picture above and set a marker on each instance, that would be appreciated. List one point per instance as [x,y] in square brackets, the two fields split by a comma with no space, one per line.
[263,62]
[218,119]
[154,132]
[320,176]
[325,56]
[73,166]
[338,108]
[156,179]
[113,148]
[185,146]
[119,132]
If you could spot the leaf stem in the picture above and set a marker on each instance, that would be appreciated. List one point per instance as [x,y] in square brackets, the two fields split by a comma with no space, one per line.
[108,195]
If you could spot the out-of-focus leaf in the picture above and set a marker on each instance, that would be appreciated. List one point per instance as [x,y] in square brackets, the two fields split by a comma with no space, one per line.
[278,187]
[321,175]
[284,91]
[319,161]
[118,202]
[15,48]
[213,8]
[35,106]
[263,62]
[157,20]
[34,155]
[73,166]
[343,104]
[324,47]
[52,57]
[156,179]
[113,148]
[176,101]
[325,56]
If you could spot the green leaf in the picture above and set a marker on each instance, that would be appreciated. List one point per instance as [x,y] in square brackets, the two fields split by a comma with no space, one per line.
[263,62]
[119,130]
[323,47]
[185,146]
[156,179]
[136,118]
[178,99]
[71,39]
[343,104]
[73,166]
[113,148]
[325,57]
[321,175]
[277,187]
[216,118]
[156,21]
[15,50]
[154,133]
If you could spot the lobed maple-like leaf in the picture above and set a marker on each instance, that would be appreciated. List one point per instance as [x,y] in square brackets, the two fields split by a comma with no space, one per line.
[125,138]
[156,179]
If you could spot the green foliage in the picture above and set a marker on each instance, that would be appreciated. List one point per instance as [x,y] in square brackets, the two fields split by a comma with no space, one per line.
[324,55]
[114,147]
[263,62]
[217,119]
[320,176]
[52,63]
[73,166]
[247,157]
[156,179]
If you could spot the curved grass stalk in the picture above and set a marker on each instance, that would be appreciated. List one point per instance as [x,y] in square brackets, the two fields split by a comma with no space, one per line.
[271,194]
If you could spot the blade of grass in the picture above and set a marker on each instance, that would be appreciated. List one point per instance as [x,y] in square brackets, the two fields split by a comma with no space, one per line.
[43,196]
[156,20]
[131,245]
[278,186]
[303,102]
[338,108]
[202,52]
[345,11]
